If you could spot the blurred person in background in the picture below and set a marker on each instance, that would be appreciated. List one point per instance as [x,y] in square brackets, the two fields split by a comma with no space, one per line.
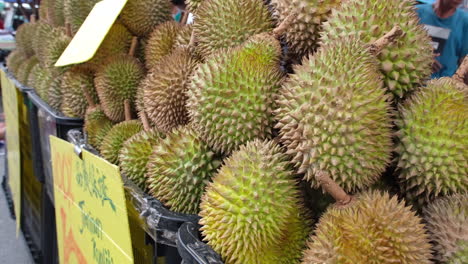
[178,9]
[447,24]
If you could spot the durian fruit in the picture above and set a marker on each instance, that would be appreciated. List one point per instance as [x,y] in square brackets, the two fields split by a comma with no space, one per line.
[56,12]
[303,34]
[179,168]
[184,36]
[54,49]
[24,36]
[14,60]
[38,78]
[334,115]
[34,76]
[116,137]
[76,12]
[369,228]
[74,103]
[250,213]
[406,63]
[44,33]
[161,42]
[43,10]
[55,91]
[116,81]
[192,5]
[117,41]
[433,141]
[135,155]
[231,95]
[25,69]
[96,125]
[447,220]
[229,23]
[142,16]
[165,89]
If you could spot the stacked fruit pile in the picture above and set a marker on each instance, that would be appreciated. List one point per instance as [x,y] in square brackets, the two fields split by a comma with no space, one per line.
[223,131]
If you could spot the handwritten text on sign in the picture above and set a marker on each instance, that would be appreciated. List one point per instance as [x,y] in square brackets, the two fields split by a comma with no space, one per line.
[92,220]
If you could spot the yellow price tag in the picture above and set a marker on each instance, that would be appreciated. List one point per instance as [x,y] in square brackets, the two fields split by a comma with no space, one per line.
[91,34]
[90,208]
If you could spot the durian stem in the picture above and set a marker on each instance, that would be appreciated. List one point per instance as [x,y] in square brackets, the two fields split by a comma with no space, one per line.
[184,18]
[193,39]
[277,32]
[384,41]
[133,47]
[128,110]
[331,187]
[89,99]
[144,120]
[462,71]
[68,30]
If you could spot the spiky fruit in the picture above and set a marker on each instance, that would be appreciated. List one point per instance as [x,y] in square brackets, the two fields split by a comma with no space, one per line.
[165,89]
[25,69]
[14,60]
[117,41]
[135,154]
[39,78]
[55,92]
[237,208]
[375,228]
[33,77]
[116,81]
[228,23]
[231,95]
[24,37]
[192,5]
[404,64]
[326,121]
[179,169]
[142,16]
[74,103]
[446,220]
[54,49]
[44,33]
[433,141]
[56,13]
[96,125]
[76,12]
[43,10]
[303,34]
[116,137]
[184,36]
[161,42]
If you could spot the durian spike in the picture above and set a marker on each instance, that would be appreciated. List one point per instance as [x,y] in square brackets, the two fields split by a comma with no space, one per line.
[390,37]
[278,31]
[331,187]
[133,46]
[68,30]
[128,110]
[193,39]
[89,99]
[144,120]
[462,71]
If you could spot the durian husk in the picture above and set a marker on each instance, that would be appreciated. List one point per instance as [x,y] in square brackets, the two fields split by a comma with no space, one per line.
[161,42]
[55,91]
[433,141]
[54,49]
[14,60]
[251,211]
[24,38]
[341,125]
[165,89]
[76,12]
[446,220]
[116,137]
[374,228]
[179,168]
[228,23]
[142,16]
[74,103]
[25,69]
[96,125]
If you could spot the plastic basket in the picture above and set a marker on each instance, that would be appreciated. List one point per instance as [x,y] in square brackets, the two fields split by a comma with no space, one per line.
[192,250]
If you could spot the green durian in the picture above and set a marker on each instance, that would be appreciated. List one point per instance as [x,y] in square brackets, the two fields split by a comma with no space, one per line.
[179,168]
[116,81]
[55,92]
[192,5]
[405,64]
[142,16]
[24,38]
[25,69]
[116,137]
[251,211]
[303,34]
[161,42]
[447,220]
[56,12]
[231,95]
[229,23]
[43,10]
[165,89]
[38,79]
[135,154]
[54,49]
[184,36]
[433,141]
[96,125]
[76,12]
[374,228]
[74,103]
[14,60]
[35,76]
[44,33]
[334,115]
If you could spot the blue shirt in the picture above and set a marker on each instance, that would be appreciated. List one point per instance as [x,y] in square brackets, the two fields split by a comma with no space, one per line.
[450,37]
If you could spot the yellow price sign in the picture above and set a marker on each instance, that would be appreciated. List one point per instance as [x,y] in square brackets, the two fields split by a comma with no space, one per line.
[91,34]
[90,208]
[10,104]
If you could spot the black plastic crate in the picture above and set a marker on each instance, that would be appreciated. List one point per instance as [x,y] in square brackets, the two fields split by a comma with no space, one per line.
[192,249]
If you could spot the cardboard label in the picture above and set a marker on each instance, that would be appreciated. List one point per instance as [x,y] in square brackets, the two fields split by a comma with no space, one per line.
[90,208]
[10,105]
[91,34]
